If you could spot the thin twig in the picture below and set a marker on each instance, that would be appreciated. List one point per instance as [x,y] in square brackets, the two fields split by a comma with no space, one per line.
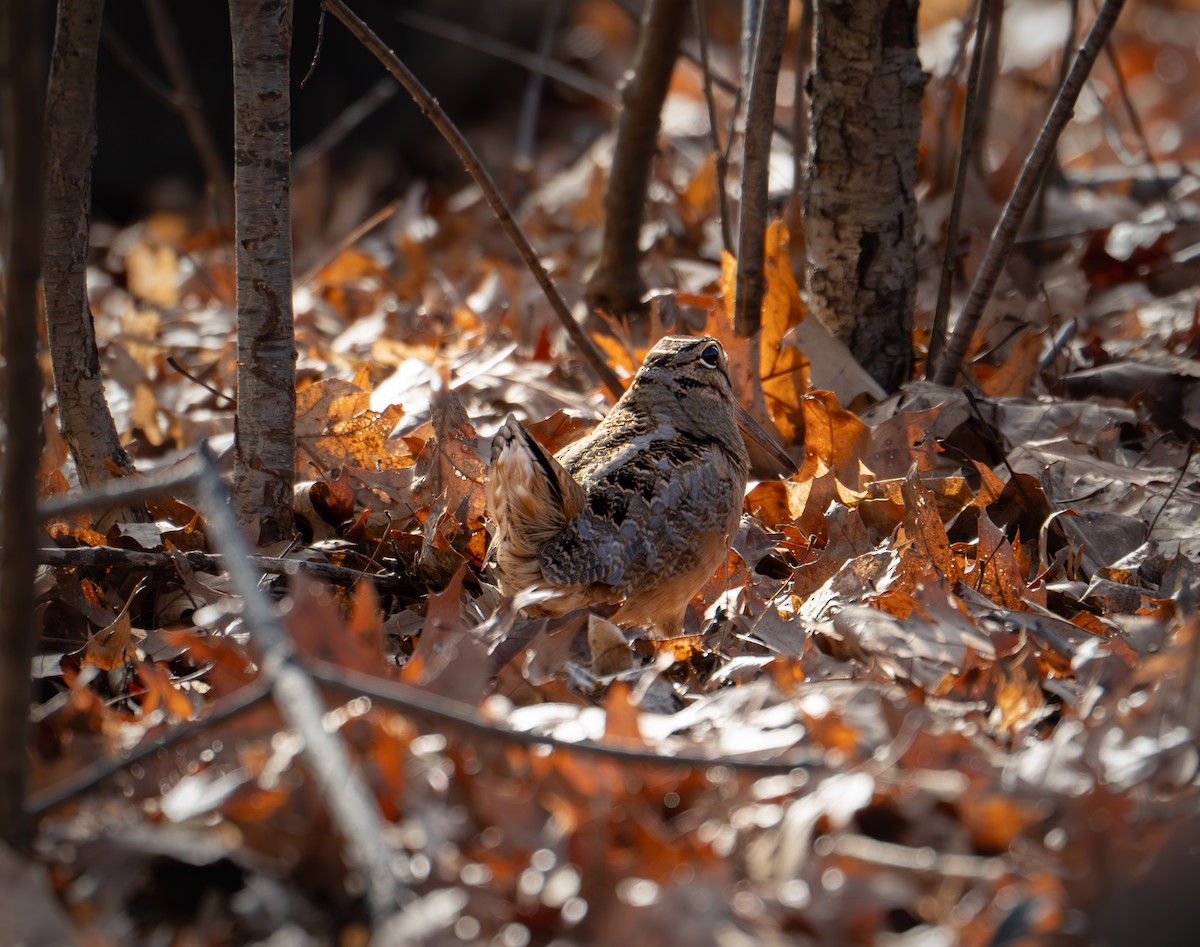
[350,118]
[760,108]
[937,335]
[615,285]
[316,56]
[99,770]
[531,101]
[190,109]
[481,42]
[1191,452]
[123,491]
[352,806]
[923,860]
[692,55]
[380,216]
[720,155]
[405,697]
[466,154]
[111,557]
[174,363]
[1005,234]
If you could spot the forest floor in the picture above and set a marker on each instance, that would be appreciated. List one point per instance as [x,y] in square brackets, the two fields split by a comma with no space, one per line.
[945,691]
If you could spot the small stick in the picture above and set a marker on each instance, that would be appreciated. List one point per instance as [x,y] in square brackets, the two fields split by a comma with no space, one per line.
[352,806]
[148,560]
[760,108]
[123,491]
[720,155]
[99,770]
[406,698]
[490,45]
[941,313]
[1005,234]
[190,109]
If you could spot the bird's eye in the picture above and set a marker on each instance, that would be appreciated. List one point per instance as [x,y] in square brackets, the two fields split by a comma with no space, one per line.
[711,356]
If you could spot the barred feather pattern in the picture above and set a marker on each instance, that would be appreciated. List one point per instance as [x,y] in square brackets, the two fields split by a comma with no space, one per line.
[641,512]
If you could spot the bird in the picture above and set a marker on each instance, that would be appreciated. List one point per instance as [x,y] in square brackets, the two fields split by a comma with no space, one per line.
[639,513]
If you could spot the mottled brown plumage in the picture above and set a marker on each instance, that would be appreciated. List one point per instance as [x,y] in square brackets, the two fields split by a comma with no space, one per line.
[640,512]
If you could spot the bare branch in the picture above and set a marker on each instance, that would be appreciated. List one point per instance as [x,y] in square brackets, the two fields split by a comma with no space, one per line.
[1005,234]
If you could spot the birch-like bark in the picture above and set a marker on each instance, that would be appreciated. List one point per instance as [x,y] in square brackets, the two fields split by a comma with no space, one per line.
[83,415]
[615,285]
[265,447]
[860,176]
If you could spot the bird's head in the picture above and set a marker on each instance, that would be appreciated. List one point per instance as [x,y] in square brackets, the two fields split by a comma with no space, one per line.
[687,379]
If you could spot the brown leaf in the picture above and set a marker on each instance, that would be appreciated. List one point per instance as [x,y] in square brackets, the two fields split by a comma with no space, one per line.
[159,690]
[447,659]
[316,624]
[1014,377]
[834,436]
[335,426]
[997,574]
[610,650]
[784,369]
[448,479]
[902,440]
[558,430]
[110,647]
[922,527]
[621,715]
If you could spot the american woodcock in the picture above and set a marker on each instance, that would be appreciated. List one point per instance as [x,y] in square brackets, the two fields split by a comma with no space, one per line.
[641,512]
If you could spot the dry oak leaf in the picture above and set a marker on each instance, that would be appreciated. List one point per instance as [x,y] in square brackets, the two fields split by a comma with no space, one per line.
[335,426]
[834,437]
[783,369]
[110,647]
[448,479]
[448,659]
[902,440]
[1015,376]
[159,690]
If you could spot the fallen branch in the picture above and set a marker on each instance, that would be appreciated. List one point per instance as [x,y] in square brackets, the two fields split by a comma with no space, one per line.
[99,770]
[409,699]
[352,807]
[111,557]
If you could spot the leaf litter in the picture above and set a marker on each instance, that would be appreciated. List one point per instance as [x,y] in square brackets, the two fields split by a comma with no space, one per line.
[945,690]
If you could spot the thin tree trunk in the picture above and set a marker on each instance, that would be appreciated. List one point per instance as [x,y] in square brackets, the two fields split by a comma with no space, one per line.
[265,448]
[84,418]
[860,176]
[22,99]
[760,118]
[616,285]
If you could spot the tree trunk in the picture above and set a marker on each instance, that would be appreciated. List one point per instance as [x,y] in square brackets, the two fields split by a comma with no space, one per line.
[615,285]
[860,174]
[265,449]
[84,418]
[756,162]
[22,99]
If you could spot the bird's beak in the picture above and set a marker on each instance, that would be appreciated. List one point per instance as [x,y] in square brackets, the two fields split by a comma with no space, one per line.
[766,456]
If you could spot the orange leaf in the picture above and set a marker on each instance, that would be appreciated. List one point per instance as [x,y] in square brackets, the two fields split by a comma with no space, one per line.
[835,436]
[621,715]
[1013,378]
[159,690]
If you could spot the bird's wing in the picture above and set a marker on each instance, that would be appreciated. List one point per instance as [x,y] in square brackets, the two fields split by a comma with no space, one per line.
[646,520]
